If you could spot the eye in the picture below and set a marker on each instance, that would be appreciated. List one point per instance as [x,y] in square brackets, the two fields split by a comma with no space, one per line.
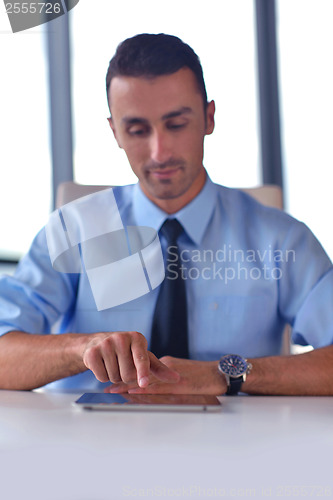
[137,130]
[176,125]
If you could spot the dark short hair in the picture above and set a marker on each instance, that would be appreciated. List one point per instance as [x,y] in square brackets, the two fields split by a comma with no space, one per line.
[149,55]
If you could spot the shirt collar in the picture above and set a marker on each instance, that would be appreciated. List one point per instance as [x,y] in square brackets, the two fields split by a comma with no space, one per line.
[194,217]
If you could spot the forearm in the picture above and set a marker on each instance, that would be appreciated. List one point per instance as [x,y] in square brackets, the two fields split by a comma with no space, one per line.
[308,374]
[29,361]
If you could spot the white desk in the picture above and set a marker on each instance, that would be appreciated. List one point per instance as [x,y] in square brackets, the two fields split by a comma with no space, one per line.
[257,447]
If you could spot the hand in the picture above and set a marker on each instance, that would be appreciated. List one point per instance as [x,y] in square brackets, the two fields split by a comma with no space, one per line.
[196,377]
[122,357]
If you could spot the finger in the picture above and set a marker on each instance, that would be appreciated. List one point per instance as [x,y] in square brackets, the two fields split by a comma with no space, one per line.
[158,388]
[111,365]
[119,388]
[142,363]
[94,362]
[123,387]
[126,368]
[161,371]
[124,355]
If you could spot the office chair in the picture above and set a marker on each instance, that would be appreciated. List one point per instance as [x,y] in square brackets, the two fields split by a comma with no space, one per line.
[267,194]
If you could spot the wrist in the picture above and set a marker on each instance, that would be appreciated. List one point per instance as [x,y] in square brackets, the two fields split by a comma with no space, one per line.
[220,382]
[234,369]
[76,346]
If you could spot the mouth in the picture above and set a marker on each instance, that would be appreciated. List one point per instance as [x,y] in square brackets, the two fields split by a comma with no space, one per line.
[165,173]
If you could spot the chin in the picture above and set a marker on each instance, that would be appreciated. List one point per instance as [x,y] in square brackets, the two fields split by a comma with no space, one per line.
[164,195]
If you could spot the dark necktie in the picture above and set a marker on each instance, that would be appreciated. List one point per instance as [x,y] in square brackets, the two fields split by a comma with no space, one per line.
[169,329]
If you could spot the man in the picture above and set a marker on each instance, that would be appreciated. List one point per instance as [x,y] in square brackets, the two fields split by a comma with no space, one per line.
[248,269]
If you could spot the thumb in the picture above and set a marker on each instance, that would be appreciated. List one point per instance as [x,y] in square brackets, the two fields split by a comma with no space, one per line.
[161,371]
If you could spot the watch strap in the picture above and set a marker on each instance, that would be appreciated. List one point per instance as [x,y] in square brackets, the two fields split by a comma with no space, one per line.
[234,385]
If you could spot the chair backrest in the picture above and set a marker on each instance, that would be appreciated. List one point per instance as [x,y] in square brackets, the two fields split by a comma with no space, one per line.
[268,194]
[69,191]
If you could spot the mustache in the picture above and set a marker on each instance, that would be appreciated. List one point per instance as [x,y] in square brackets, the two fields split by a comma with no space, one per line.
[171,163]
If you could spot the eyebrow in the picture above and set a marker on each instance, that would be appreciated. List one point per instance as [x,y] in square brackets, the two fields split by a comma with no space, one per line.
[185,110]
[132,120]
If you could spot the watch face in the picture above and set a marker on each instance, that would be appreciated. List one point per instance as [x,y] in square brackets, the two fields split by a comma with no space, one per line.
[233,365]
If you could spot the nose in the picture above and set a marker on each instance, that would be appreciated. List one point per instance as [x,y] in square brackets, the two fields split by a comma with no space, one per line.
[160,147]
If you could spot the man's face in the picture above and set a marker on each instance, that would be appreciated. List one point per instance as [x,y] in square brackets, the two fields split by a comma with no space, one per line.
[161,125]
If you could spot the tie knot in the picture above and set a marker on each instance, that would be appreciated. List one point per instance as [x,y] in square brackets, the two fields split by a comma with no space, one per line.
[171,230]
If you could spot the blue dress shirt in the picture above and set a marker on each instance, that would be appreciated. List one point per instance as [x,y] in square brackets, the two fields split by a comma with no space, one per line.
[249,270]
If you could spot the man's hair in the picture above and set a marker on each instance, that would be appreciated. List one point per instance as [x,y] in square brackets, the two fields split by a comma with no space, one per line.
[149,55]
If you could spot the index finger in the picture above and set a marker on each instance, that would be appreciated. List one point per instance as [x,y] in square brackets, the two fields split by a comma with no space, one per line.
[141,362]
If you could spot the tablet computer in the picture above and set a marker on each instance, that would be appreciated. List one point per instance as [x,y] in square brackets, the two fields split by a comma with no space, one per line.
[148,402]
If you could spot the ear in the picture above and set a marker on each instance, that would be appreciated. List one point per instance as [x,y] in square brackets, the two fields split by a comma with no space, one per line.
[114,130]
[210,117]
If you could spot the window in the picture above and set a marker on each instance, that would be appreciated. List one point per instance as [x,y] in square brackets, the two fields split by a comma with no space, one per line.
[222,34]
[305,40]
[25,185]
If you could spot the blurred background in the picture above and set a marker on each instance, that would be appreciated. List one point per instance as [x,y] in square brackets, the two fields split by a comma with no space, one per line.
[233,41]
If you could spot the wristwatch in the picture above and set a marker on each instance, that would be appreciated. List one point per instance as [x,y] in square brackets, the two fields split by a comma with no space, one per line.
[235,368]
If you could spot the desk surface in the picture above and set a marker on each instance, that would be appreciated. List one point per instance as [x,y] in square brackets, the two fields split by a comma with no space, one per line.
[255,447]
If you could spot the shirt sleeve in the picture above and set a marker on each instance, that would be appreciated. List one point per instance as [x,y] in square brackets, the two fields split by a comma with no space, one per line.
[314,321]
[36,296]
[306,288]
